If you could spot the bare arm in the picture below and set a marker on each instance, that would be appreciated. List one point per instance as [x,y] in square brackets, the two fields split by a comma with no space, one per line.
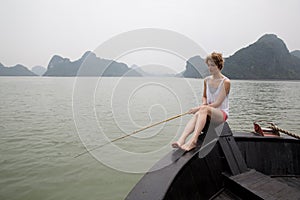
[204,97]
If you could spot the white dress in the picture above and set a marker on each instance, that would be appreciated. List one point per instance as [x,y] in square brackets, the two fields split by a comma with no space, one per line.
[213,93]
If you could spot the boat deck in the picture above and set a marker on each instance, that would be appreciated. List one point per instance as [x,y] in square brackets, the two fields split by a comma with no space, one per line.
[255,185]
[225,194]
[292,181]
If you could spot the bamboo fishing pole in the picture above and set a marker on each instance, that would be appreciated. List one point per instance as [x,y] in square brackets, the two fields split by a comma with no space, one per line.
[134,132]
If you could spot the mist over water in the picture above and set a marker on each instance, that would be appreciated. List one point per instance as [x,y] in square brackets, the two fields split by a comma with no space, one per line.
[45,122]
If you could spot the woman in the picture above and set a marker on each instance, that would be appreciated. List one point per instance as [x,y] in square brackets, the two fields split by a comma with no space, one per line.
[215,103]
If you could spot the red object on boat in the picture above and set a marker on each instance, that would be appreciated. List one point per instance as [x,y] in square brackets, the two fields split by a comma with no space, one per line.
[264,131]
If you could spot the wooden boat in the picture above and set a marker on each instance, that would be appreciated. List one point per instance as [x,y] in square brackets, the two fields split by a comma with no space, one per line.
[235,166]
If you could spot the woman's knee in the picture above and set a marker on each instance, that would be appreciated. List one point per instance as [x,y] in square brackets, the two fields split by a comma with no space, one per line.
[203,109]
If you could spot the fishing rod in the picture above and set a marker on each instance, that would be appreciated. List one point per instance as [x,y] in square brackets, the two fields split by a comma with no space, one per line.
[134,132]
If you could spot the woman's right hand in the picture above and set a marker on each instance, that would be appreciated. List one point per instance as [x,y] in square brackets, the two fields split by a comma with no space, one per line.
[194,110]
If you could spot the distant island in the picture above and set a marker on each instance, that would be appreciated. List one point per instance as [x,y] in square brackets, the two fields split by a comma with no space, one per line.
[88,65]
[267,58]
[296,53]
[39,70]
[18,70]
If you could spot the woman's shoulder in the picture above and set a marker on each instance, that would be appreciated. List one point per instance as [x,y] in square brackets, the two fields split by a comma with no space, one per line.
[226,79]
[206,78]
[227,82]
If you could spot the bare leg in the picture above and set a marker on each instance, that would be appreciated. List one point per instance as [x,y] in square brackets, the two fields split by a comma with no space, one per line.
[215,115]
[189,128]
[200,123]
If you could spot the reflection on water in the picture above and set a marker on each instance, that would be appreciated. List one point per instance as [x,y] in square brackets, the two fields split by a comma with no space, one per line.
[39,138]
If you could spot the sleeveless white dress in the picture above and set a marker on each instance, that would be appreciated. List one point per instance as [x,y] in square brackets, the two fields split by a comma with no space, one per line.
[213,93]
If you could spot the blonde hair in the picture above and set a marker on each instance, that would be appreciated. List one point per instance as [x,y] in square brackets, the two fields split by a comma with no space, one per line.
[217,58]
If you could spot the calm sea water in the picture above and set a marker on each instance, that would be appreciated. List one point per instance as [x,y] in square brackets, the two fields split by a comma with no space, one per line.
[46,122]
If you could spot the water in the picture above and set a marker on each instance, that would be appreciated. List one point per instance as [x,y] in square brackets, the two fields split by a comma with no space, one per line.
[45,121]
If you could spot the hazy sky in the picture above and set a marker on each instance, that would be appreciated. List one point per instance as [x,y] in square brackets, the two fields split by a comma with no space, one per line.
[32,31]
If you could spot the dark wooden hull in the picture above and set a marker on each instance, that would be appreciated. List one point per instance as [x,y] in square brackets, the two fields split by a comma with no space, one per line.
[242,166]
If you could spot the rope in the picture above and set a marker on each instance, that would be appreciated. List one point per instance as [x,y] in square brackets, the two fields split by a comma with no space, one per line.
[284,131]
[134,132]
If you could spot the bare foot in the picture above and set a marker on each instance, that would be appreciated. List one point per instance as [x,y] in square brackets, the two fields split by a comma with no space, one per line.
[176,145]
[189,146]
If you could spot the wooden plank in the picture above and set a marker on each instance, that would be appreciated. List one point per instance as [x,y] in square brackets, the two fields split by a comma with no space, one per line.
[228,155]
[226,195]
[207,173]
[226,131]
[292,181]
[233,161]
[264,186]
[237,154]
[273,156]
